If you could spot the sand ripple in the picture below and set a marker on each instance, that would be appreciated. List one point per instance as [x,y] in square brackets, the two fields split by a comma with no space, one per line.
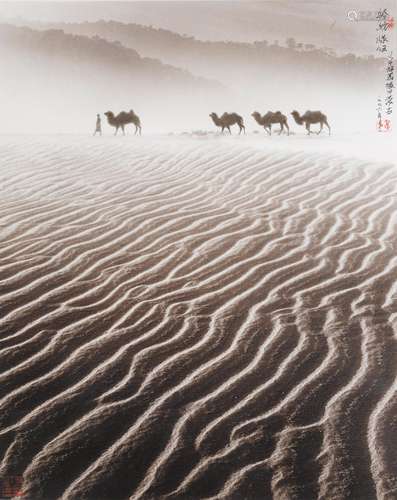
[195,319]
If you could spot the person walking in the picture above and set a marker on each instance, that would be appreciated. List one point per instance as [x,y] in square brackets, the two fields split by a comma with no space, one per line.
[98,127]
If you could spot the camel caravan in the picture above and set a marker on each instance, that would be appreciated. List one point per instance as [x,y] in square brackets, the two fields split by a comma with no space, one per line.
[267,120]
[227,120]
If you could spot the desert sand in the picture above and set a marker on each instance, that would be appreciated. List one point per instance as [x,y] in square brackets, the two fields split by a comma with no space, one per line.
[198,317]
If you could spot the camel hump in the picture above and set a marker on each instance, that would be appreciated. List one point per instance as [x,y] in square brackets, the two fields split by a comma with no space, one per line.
[314,113]
[122,115]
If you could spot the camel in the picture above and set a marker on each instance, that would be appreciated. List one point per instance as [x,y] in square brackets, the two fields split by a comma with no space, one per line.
[123,119]
[269,118]
[227,120]
[311,117]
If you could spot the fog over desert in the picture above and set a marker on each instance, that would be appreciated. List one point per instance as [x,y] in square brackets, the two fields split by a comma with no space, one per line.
[188,313]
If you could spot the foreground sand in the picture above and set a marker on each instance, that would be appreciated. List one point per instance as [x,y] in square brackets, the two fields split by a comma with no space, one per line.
[194,319]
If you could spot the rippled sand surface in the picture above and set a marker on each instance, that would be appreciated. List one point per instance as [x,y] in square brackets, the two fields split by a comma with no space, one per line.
[196,319]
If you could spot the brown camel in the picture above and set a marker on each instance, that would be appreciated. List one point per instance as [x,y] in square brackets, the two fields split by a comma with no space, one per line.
[269,118]
[311,117]
[123,119]
[227,120]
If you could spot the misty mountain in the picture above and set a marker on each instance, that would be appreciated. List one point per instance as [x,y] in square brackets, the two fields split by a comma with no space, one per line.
[317,22]
[95,51]
[261,65]
[82,75]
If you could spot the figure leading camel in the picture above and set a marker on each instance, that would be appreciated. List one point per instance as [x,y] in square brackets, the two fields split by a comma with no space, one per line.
[311,117]
[227,120]
[269,119]
[122,119]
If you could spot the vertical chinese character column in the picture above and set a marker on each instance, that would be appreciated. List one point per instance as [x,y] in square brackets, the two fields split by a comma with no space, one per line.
[385,24]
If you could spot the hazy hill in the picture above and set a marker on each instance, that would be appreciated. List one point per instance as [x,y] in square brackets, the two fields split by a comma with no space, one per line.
[319,22]
[233,62]
[58,74]
[264,75]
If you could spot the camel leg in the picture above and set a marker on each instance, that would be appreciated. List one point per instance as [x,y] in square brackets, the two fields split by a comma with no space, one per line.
[321,128]
[266,129]
[223,128]
[117,129]
[270,129]
[286,124]
[140,130]
[230,132]
[122,128]
[329,128]
[308,128]
[281,128]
